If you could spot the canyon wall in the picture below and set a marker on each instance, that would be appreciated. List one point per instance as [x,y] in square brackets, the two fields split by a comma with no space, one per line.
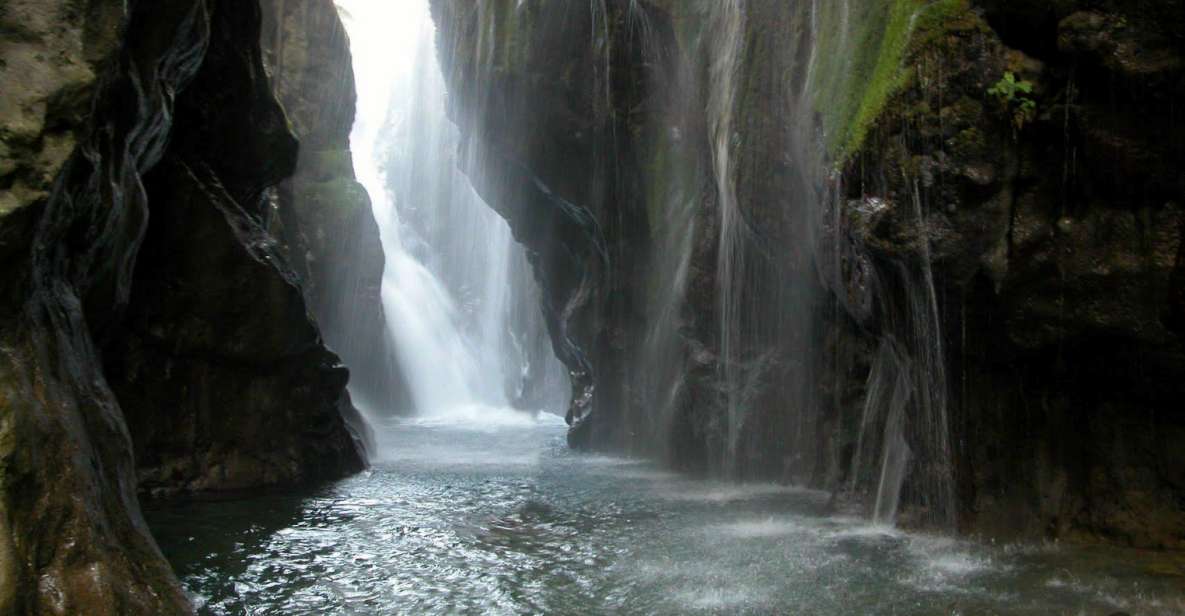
[322,215]
[152,336]
[840,244]
[1051,214]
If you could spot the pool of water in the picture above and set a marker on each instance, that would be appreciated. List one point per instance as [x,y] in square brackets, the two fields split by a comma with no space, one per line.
[501,518]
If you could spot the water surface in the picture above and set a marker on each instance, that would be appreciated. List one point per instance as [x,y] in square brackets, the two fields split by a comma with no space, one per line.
[504,519]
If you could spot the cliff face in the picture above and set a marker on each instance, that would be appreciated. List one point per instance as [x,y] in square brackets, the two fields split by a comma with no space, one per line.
[1053,214]
[322,214]
[145,309]
[549,209]
[217,337]
[811,246]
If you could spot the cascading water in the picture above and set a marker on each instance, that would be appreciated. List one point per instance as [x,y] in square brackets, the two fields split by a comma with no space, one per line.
[457,303]
[727,19]
[903,434]
[767,317]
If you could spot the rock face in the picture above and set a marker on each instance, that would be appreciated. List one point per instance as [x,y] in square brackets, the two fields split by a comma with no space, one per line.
[534,110]
[794,245]
[217,331]
[218,340]
[323,214]
[145,308]
[1053,215]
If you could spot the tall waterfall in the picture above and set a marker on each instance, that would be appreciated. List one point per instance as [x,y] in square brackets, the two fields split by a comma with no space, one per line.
[458,300]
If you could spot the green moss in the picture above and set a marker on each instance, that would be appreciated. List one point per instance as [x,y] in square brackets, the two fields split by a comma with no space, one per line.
[861,61]
[942,18]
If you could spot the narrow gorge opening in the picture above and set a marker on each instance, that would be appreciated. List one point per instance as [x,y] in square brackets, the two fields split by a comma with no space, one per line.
[591,306]
[462,307]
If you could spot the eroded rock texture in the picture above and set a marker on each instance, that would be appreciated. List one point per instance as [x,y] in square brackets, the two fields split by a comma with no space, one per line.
[143,301]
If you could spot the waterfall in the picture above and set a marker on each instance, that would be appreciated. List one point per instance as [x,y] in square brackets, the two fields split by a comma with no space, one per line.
[458,304]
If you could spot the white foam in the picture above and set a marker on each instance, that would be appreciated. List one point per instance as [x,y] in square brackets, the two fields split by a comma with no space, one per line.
[864,530]
[715,492]
[761,528]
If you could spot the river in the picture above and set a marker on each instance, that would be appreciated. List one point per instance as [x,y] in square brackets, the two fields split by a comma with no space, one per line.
[495,515]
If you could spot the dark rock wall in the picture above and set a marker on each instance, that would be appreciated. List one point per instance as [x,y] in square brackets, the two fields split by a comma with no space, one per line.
[217,337]
[149,327]
[599,131]
[1017,265]
[73,535]
[1056,239]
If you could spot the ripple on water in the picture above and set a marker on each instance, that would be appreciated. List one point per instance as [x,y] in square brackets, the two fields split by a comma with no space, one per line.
[509,522]
[720,492]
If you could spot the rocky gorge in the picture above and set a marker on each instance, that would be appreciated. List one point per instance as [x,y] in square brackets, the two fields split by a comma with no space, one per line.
[925,257]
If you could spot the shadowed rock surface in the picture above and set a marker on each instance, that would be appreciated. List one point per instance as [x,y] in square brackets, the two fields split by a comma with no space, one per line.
[1055,241]
[138,146]
[217,336]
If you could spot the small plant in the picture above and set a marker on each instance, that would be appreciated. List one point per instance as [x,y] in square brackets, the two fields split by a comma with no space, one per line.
[1012,93]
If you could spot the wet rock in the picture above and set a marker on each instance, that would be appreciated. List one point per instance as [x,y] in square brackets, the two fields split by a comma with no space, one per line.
[576,240]
[217,329]
[74,538]
[1054,271]
[1118,44]
[220,373]
[120,94]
